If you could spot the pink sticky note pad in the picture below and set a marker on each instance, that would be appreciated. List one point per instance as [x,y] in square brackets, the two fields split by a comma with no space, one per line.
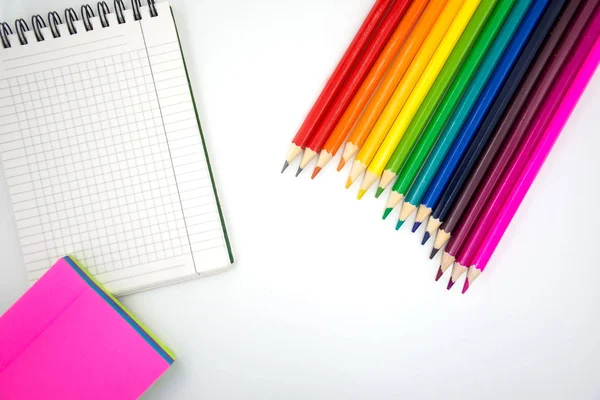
[66,338]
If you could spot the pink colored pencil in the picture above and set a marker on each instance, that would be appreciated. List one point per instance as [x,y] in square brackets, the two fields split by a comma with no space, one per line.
[524,181]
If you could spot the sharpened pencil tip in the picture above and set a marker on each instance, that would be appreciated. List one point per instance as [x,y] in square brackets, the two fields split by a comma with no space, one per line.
[379,191]
[285,165]
[349,183]
[416,226]
[439,274]
[341,164]
[426,237]
[450,284]
[361,193]
[387,212]
[434,252]
[466,286]
[399,224]
[298,172]
[315,172]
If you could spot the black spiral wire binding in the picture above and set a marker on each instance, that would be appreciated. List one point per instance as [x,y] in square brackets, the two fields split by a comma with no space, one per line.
[119,9]
[87,13]
[4,32]
[70,18]
[102,11]
[152,7]
[21,27]
[135,7]
[37,22]
[53,22]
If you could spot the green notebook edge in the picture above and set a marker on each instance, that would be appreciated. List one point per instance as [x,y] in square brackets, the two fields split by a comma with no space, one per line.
[210,172]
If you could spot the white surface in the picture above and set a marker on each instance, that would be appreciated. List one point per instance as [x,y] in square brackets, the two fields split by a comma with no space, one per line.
[351,311]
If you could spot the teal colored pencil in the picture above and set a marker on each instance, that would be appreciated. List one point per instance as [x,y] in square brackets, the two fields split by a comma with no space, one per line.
[462,111]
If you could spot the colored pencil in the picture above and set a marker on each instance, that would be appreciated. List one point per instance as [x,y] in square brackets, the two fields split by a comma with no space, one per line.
[467,133]
[390,82]
[497,124]
[408,82]
[411,167]
[414,101]
[487,20]
[510,207]
[369,85]
[363,66]
[337,79]
[520,32]
[541,105]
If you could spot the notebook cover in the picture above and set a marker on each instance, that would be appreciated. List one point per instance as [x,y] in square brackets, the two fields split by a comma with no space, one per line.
[66,338]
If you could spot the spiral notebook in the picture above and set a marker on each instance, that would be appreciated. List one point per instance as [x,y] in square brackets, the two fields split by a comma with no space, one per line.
[102,148]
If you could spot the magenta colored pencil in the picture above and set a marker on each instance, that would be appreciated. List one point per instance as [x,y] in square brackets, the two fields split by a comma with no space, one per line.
[533,166]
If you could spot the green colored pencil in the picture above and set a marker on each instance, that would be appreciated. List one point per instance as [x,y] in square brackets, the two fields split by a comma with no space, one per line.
[484,56]
[478,22]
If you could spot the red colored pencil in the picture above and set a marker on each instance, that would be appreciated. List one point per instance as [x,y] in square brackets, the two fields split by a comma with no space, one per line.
[362,68]
[337,80]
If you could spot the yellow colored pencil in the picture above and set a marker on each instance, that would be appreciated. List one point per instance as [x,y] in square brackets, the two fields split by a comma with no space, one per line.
[402,92]
[417,96]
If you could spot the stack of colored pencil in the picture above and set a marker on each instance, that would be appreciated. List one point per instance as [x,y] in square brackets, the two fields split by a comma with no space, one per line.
[455,104]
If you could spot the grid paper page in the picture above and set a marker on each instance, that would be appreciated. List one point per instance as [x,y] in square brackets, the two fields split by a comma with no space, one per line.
[103,155]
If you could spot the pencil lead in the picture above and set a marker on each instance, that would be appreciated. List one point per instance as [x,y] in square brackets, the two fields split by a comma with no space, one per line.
[348,183]
[466,286]
[450,284]
[434,252]
[361,193]
[387,212]
[426,237]
[399,224]
[341,164]
[285,165]
[379,191]
[298,172]
[439,274]
[315,172]
[416,226]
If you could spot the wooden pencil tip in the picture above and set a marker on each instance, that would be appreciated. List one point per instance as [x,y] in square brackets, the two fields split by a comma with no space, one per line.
[416,226]
[426,237]
[450,284]
[315,172]
[298,172]
[379,192]
[285,165]
[439,274]
[349,183]
[361,193]
[341,164]
[434,252]
[466,286]
[399,224]
[387,212]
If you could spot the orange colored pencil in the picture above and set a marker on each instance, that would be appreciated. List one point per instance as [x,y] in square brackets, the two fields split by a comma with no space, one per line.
[364,93]
[389,83]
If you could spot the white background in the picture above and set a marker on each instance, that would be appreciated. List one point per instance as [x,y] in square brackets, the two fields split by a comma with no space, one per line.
[326,300]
